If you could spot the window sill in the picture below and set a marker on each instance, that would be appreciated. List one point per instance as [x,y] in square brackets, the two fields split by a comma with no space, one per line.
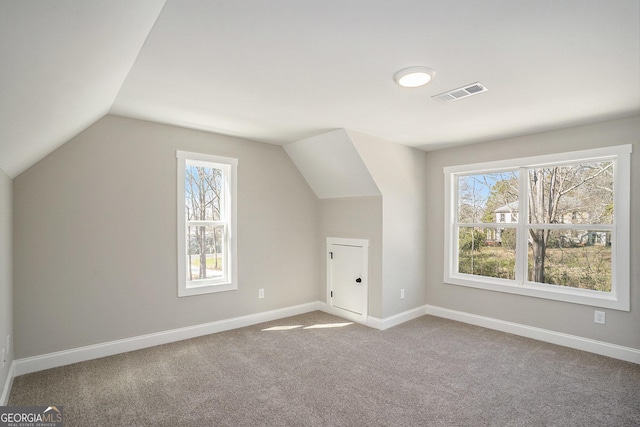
[206,288]
[550,292]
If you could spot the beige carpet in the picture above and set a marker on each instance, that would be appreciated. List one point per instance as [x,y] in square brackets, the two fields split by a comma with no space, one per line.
[313,370]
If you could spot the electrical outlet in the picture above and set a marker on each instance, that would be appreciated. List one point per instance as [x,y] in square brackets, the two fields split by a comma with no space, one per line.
[401,293]
[599,317]
[260,293]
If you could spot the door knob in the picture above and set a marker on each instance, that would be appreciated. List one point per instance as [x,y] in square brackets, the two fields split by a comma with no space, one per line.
[358,280]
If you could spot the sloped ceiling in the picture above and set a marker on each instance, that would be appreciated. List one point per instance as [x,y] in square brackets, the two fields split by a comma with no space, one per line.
[332,166]
[63,63]
[287,70]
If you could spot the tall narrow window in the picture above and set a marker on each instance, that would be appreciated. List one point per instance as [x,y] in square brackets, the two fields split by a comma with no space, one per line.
[206,223]
[554,226]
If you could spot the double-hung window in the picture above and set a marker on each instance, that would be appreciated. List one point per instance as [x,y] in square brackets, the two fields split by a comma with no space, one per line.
[206,223]
[553,226]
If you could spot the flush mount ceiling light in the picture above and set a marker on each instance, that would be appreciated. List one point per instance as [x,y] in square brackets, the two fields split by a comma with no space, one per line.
[414,76]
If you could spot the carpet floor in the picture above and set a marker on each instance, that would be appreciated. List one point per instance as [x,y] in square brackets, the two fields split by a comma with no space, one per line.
[320,370]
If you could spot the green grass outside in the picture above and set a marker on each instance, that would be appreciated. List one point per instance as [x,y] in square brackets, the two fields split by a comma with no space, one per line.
[587,267]
[211,264]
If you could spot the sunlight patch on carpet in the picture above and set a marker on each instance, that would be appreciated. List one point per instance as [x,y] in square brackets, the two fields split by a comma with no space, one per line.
[328,325]
[282,328]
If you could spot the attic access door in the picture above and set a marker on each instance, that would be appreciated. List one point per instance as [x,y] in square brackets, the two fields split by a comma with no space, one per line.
[347,279]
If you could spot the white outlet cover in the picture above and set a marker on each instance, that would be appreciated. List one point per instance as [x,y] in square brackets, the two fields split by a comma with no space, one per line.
[599,317]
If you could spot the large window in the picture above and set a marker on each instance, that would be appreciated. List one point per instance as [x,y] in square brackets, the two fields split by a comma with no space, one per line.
[571,243]
[206,223]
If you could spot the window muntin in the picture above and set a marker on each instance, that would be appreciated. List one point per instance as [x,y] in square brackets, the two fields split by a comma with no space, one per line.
[572,245]
[206,223]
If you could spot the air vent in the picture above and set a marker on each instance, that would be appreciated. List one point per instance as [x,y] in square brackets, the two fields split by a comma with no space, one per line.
[461,92]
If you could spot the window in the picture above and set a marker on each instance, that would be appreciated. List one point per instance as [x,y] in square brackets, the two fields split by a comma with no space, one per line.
[572,243]
[206,223]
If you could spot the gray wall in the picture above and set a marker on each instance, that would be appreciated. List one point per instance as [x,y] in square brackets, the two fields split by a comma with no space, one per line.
[400,173]
[6,298]
[391,222]
[621,327]
[94,228]
[354,218]
[95,225]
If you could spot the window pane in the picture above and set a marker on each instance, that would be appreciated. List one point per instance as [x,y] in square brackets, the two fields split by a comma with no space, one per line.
[487,252]
[205,252]
[488,198]
[575,194]
[573,258]
[203,193]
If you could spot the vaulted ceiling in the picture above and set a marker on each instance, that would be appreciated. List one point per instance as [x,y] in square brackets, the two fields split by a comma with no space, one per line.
[284,70]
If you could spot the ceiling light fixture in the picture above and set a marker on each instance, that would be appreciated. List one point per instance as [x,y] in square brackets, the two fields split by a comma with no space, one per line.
[414,76]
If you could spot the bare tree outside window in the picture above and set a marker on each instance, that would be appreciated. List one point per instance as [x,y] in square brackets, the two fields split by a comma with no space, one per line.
[207,223]
[203,210]
[553,226]
[569,209]
[486,248]
[580,194]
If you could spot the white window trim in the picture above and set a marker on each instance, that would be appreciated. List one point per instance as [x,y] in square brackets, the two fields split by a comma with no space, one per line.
[618,298]
[231,282]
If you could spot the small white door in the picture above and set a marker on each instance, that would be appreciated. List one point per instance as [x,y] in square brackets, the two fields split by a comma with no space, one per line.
[347,276]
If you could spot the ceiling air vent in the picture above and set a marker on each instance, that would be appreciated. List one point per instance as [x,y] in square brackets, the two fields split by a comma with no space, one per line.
[461,92]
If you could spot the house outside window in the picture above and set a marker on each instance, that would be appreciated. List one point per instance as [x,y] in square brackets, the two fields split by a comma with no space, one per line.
[572,244]
[206,223]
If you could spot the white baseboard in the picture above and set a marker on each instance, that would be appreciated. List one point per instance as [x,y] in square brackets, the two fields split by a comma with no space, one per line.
[374,322]
[396,319]
[66,357]
[4,397]
[81,354]
[347,315]
[586,344]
